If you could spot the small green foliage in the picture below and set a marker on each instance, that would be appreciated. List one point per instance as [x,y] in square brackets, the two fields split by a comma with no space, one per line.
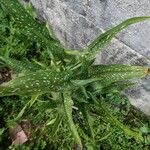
[69,102]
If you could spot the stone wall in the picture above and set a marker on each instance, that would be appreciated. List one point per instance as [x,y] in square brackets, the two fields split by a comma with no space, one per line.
[77,22]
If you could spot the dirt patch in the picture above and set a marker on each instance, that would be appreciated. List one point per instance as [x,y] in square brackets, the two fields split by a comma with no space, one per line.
[5,75]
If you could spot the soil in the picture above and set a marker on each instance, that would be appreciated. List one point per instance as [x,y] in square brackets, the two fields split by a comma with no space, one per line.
[5,75]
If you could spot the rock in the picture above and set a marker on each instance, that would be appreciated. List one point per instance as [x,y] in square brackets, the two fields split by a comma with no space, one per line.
[17,135]
[77,23]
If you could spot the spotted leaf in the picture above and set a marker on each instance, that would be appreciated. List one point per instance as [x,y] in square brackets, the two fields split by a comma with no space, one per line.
[99,69]
[107,74]
[113,73]
[68,103]
[31,28]
[105,38]
[23,66]
[44,81]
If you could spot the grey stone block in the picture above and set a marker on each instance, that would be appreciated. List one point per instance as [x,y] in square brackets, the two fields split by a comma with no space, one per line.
[76,23]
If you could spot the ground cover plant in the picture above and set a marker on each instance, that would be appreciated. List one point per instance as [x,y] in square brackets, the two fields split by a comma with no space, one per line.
[68,102]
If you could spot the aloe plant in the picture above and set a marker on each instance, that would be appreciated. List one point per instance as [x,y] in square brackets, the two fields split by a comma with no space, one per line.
[67,73]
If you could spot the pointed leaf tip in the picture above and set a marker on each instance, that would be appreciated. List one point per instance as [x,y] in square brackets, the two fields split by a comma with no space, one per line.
[148,71]
[104,39]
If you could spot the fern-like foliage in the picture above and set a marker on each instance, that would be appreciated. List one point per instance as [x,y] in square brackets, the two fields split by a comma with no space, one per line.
[73,82]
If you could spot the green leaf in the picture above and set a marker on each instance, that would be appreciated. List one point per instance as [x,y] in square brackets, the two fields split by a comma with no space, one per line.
[105,38]
[113,73]
[98,69]
[87,119]
[84,82]
[50,122]
[23,66]
[103,75]
[68,103]
[112,119]
[31,28]
[102,109]
[29,104]
[145,129]
[56,124]
[43,81]
[116,87]
[30,9]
